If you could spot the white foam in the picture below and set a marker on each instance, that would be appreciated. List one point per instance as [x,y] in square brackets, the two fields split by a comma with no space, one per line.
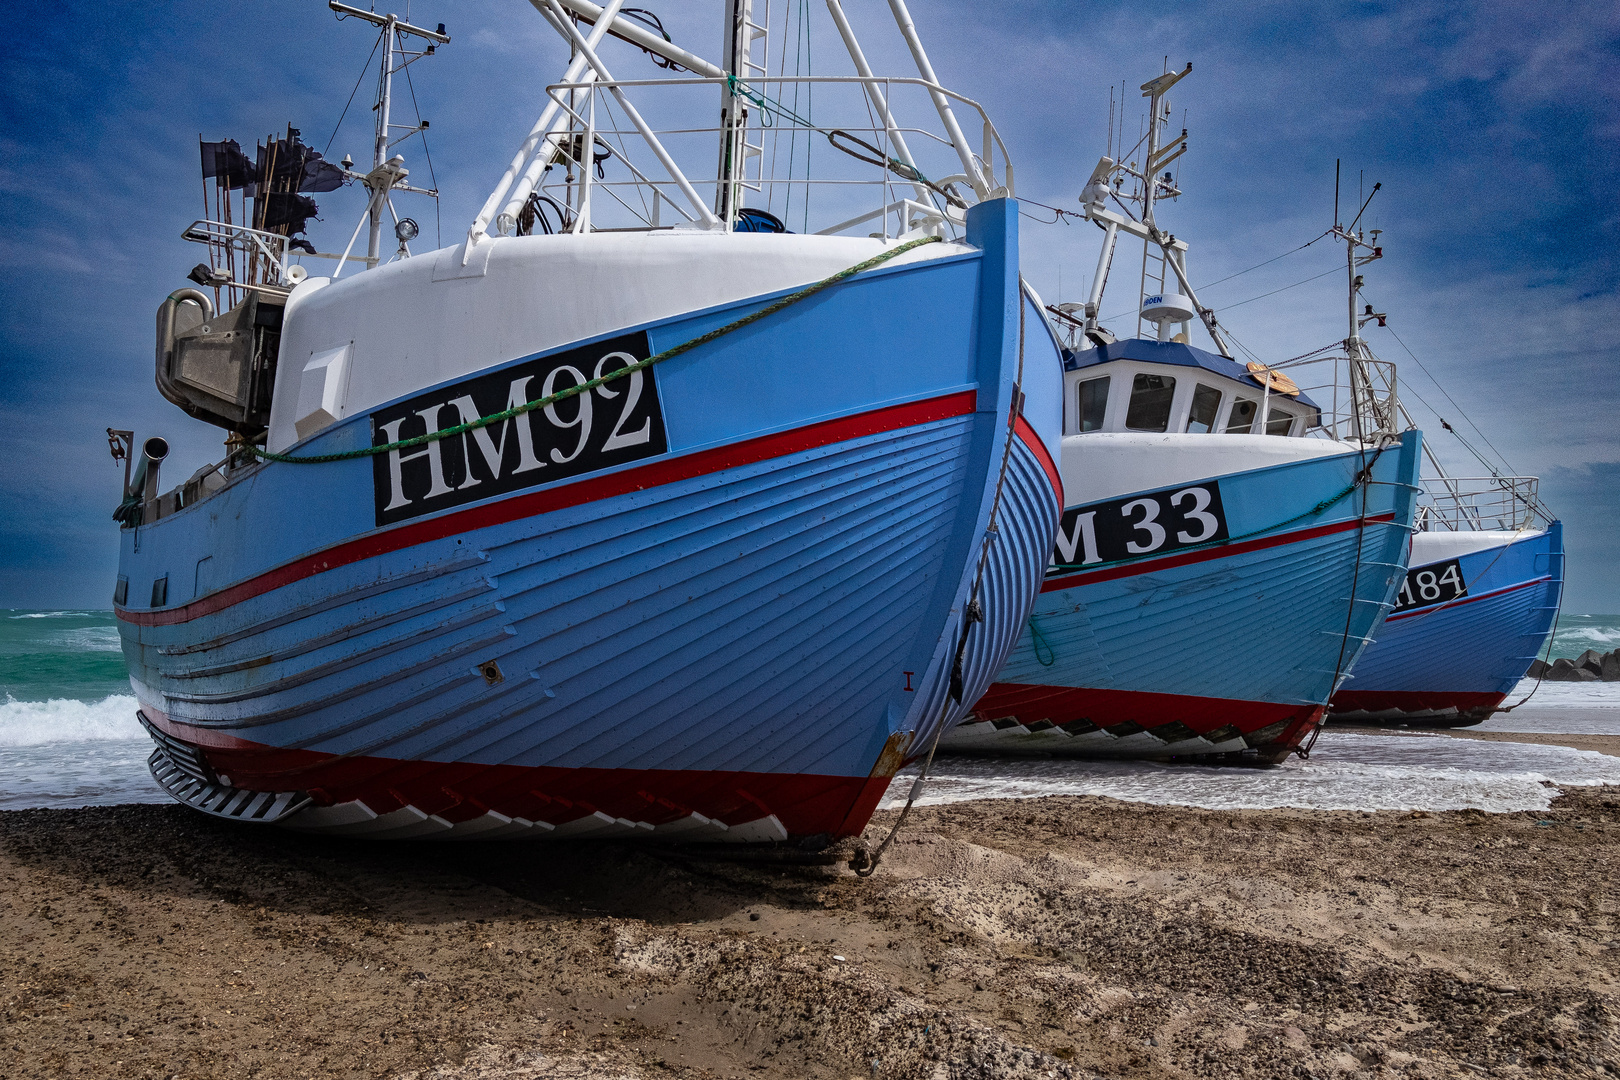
[40,723]
[1346,772]
[85,639]
[58,615]
[1567,695]
[1590,636]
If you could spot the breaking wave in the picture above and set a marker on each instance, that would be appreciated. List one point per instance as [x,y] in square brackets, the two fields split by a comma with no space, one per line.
[37,723]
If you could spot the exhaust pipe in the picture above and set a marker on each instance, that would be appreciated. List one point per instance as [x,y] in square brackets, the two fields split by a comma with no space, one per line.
[153,451]
[141,492]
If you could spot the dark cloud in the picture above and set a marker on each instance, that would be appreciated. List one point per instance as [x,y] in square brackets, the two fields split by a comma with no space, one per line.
[1492,127]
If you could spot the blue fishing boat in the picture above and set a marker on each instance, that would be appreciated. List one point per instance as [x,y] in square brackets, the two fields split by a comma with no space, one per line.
[1475,609]
[631,514]
[1227,549]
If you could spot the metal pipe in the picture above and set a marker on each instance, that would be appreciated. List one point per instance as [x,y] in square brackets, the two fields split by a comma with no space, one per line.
[153,451]
[1207,316]
[542,128]
[642,37]
[385,99]
[908,30]
[863,69]
[1105,262]
[602,73]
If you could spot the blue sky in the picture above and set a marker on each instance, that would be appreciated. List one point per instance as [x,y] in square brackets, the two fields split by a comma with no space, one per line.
[1493,128]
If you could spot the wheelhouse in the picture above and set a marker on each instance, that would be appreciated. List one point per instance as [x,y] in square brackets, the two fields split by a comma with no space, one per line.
[1168,387]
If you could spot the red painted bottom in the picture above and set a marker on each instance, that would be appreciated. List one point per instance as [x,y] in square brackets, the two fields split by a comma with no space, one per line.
[806,805]
[1455,706]
[1272,729]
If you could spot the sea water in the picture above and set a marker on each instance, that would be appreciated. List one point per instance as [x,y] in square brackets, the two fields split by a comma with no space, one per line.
[69,737]
[68,733]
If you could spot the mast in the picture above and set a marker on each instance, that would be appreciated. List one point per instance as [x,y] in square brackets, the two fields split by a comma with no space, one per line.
[387,174]
[385,99]
[1364,403]
[1172,251]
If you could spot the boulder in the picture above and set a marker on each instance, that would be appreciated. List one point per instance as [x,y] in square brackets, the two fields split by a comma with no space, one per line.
[1611,667]
[1538,669]
[1591,660]
[1564,670]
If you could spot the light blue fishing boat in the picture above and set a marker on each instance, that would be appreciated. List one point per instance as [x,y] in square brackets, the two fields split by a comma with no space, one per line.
[633,513]
[1473,613]
[1228,548]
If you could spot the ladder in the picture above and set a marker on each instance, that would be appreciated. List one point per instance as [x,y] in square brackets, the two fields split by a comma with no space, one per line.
[1154,272]
[747,55]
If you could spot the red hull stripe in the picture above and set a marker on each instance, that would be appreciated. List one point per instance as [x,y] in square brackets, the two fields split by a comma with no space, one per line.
[1038,448]
[515,508]
[460,791]
[1415,701]
[1468,599]
[1072,581]
[1031,703]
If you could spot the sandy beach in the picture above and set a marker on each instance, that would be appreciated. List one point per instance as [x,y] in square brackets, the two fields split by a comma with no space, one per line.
[1066,936]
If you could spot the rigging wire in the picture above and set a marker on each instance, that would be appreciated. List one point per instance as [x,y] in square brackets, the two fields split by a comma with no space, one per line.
[1268,262]
[353,92]
[438,230]
[1228,307]
[1459,408]
[1285,288]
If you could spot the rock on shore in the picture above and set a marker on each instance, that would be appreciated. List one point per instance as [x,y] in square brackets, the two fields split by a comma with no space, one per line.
[1590,666]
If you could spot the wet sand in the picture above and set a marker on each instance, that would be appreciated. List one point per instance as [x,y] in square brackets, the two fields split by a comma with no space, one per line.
[1602,744]
[1065,936]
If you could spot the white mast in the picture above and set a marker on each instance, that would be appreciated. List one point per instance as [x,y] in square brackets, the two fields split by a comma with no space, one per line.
[385,100]
[386,174]
[1173,251]
[1365,405]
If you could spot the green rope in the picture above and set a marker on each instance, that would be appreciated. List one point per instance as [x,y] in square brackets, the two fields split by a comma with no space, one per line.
[591,384]
[1361,477]
[1038,639]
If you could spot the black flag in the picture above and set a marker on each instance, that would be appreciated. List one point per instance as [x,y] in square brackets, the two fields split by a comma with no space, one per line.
[226,161]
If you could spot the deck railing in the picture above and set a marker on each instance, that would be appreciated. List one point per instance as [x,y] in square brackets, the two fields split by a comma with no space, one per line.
[821,154]
[1359,399]
[1477,503]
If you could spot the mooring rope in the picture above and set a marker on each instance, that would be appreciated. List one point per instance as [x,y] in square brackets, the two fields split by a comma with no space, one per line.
[591,384]
[863,862]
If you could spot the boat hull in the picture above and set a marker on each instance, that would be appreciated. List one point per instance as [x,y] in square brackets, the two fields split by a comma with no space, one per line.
[738,638]
[1453,663]
[1229,648]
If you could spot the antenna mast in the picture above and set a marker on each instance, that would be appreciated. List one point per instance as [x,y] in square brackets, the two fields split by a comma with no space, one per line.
[1366,405]
[387,174]
[1173,252]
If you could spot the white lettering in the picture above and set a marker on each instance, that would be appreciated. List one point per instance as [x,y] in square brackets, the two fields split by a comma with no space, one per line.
[396,459]
[1084,532]
[495,451]
[617,438]
[1150,514]
[1211,523]
[582,418]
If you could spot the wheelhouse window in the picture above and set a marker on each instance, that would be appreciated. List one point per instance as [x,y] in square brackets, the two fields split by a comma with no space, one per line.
[1206,402]
[1241,422]
[1278,423]
[1150,403]
[1093,403]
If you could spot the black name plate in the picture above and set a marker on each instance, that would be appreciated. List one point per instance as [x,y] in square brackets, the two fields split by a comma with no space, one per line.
[617,422]
[1153,523]
[1436,583]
